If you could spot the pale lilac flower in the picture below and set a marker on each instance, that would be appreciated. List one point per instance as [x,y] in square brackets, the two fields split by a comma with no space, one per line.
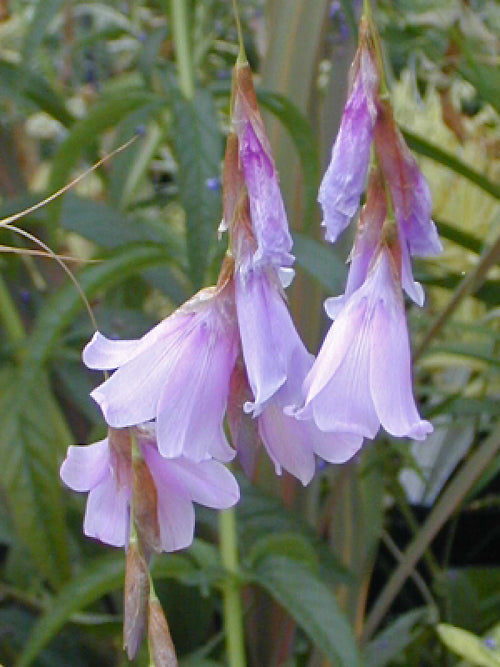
[362,375]
[178,373]
[267,211]
[276,363]
[344,181]
[369,236]
[410,193]
[104,469]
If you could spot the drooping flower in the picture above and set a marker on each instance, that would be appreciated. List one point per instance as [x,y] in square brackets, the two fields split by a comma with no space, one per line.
[410,193]
[104,469]
[267,211]
[277,362]
[345,178]
[362,375]
[178,373]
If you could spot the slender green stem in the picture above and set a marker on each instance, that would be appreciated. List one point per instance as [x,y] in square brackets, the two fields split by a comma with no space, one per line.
[233,615]
[11,320]
[183,48]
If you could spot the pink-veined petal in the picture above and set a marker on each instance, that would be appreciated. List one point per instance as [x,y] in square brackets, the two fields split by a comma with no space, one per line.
[390,373]
[85,466]
[208,483]
[345,178]
[102,353]
[287,441]
[335,447]
[268,335]
[107,513]
[193,401]
[130,396]
[175,514]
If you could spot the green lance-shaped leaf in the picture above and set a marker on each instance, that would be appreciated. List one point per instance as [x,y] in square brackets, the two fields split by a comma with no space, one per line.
[394,639]
[45,11]
[61,308]
[98,579]
[31,447]
[22,84]
[320,262]
[198,149]
[471,647]
[103,116]
[424,147]
[313,606]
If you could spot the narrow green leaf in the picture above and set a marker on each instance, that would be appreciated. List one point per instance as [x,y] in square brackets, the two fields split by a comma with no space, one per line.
[60,309]
[459,237]
[424,147]
[31,448]
[103,116]
[99,578]
[291,545]
[320,262]
[21,84]
[390,643]
[260,515]
[45,11]
[469,646]
[302,135]
[198,149]
[313,606]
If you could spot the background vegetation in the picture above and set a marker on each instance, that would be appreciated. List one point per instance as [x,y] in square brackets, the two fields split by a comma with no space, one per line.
[392,559]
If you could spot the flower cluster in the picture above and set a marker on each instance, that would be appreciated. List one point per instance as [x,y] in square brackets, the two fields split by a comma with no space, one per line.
[361,378]
[233,350]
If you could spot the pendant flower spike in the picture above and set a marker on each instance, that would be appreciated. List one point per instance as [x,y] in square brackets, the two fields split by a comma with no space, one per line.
[361,378]
[367,121]
[275,358]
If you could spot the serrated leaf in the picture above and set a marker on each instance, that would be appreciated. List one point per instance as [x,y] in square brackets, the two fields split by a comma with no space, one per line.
[31,449]
[302,135]
[313,606]
[99,578]
[198,148]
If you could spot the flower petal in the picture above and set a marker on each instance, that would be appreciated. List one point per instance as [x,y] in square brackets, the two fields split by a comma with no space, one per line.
[130,396]
[287,442]
[175,514]
[338,394]
[410,193]
[102,353]
[107,514]
[335,447]
[390,373]
[208,483]
[344,180]
[268,336]
[86,466]
[193,400]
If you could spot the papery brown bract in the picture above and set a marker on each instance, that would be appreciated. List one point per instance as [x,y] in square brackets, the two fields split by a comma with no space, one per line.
[135,600]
